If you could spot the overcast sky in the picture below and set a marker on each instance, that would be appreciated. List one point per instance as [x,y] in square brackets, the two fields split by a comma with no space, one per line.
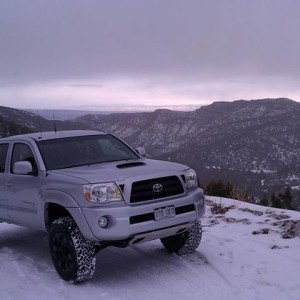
[122,53]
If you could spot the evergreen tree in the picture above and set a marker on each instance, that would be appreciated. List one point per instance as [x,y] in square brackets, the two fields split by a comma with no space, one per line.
[276,201]
[286,198]
[228,189]
[264,201]
[218,188]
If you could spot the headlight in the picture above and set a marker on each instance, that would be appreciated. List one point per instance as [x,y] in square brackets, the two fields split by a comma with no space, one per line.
[102,192]
[190,179]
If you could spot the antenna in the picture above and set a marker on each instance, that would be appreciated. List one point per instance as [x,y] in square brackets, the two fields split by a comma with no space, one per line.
[54,124]
[39,119]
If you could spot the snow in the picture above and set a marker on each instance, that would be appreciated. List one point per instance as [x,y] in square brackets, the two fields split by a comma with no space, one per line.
[263,171]
[292,177]
[296,187]
[243,255]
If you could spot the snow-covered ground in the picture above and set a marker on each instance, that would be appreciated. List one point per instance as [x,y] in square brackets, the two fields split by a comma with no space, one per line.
[247,252]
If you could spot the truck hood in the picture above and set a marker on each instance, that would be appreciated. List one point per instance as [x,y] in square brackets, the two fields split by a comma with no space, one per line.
[120,171]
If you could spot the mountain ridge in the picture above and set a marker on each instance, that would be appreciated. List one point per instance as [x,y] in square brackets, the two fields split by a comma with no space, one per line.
[34,122]
[254,144]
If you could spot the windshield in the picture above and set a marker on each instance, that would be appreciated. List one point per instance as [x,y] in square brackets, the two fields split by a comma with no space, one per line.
[83,150]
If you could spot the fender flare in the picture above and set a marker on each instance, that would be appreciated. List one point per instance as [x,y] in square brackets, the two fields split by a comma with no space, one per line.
[69,204]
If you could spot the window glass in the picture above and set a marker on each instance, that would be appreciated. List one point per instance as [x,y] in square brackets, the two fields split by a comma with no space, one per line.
[3,153]
[83,150]
[23,152]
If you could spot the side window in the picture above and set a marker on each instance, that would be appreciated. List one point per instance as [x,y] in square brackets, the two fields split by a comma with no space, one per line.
[23,152]
[3,153]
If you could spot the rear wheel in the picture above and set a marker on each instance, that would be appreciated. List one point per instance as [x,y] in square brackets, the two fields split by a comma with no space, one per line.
[72,255]
[186,242]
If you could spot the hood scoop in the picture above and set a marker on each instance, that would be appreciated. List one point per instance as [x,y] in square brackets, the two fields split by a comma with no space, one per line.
[130,165]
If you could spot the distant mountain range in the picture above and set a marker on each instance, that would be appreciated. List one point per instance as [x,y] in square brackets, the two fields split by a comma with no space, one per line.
[254,144]
[33,122]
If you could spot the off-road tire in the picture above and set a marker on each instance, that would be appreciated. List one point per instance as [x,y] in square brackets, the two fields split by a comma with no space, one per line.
[72,255]
[186,242]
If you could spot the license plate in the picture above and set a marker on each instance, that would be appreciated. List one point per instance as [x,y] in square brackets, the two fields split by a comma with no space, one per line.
[164,213]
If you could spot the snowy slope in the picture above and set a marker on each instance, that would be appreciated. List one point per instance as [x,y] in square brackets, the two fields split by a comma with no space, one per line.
[247,252]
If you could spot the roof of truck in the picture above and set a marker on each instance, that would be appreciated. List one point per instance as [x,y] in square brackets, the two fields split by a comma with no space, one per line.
[49,135]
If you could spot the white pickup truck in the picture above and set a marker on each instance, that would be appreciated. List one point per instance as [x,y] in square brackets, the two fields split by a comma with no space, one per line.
[90,190]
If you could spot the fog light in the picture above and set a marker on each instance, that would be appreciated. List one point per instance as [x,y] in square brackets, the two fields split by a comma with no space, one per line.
[103,222]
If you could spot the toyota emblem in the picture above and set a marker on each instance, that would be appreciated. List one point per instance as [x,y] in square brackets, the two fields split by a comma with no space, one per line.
[157,187]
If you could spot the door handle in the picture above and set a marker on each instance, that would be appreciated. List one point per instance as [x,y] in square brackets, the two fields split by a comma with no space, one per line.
[9,184]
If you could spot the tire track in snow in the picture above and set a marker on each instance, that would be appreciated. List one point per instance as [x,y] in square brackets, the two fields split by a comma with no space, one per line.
[203,258]
[160,270]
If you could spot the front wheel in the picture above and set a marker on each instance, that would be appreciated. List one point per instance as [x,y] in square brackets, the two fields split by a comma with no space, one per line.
[72,255]
[186,242]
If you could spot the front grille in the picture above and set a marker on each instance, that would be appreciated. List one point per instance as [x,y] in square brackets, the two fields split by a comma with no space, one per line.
[150,216]
[144,190]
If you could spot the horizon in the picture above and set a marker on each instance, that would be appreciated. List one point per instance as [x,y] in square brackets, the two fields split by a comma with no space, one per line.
[128,108]
[106,109]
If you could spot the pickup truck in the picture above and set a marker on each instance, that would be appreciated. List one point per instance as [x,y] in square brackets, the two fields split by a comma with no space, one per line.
[90,190]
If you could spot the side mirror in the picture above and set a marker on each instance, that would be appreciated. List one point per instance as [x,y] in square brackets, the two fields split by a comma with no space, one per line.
[22,167]
[141,151]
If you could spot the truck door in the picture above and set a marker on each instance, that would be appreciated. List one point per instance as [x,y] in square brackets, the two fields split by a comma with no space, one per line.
[3,199]
[23,190]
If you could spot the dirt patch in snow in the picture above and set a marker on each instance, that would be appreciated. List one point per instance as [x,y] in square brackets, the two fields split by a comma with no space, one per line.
[234,220]
[218,209]
[251,211]
[261,231]
[279,217]
[290,228]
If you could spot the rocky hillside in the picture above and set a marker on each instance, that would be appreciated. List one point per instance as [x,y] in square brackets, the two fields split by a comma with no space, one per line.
[255,144]
[32,122]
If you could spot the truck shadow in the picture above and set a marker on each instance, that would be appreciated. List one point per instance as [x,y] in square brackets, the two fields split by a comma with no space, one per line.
[149,260]
[116,265]
[28,242]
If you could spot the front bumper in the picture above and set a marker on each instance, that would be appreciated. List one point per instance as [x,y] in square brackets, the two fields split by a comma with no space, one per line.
[137,222]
